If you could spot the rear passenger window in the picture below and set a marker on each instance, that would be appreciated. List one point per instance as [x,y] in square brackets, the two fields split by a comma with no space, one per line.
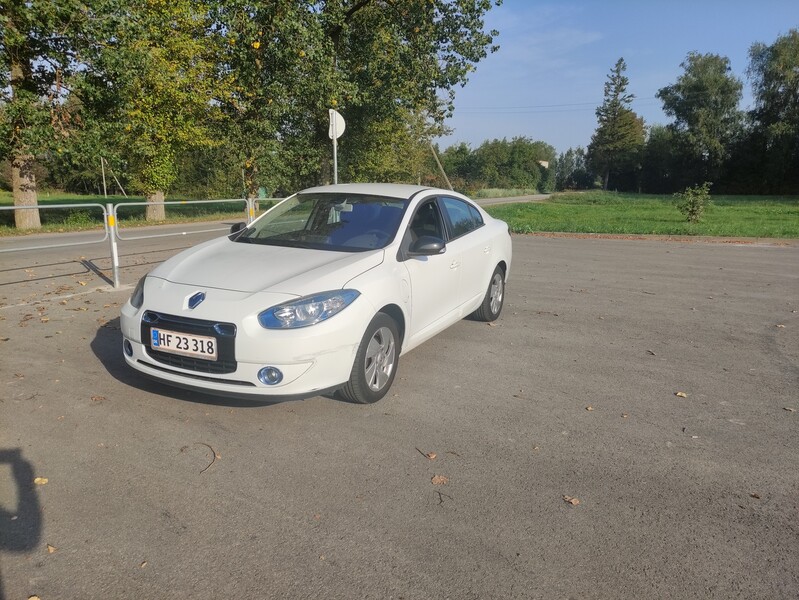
[462,216]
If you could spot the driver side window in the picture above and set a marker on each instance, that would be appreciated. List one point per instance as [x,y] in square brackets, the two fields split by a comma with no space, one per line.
[427,221]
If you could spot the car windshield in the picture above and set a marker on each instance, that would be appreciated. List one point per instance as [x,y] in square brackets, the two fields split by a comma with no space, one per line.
[342,222]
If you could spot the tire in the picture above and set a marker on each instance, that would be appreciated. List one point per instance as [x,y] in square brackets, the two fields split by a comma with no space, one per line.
[375,363]
[495,297]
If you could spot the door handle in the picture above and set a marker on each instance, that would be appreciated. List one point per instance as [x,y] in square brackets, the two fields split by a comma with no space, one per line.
[487,249]
[454,264]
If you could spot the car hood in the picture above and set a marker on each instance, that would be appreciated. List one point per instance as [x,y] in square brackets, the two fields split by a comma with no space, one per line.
[251,268]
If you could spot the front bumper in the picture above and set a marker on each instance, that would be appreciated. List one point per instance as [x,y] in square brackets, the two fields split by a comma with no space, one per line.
[313,360]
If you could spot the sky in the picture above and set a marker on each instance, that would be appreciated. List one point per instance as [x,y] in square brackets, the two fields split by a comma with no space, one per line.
[548,76]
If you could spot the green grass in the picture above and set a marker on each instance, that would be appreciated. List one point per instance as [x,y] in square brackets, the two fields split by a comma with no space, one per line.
[88,218]
[614,213]
[583,212]
[503,192]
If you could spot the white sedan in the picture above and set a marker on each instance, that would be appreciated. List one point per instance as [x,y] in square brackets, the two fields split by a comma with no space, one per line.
[325,291]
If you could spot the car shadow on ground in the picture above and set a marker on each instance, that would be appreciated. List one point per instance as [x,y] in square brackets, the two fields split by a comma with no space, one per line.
[107,347]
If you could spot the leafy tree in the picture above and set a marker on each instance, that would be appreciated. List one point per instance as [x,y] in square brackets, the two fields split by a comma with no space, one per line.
[157,84]
[37,59]
[774,72]
[390,149]
[514,164]
[458,163]
[382,65]
[660,172]
[616,144]
[704,104]
[571,171]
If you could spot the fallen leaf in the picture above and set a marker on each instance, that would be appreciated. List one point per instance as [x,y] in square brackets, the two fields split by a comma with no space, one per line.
[624,416]
[98,398]
[40,480]
[781,326]
[440,480]
[755,495]
[82,283]
[51,549]
[34,597]
[571,500]
[650,352]
[681,394]
[143,564]
[789,409]
[494,324]
[536,448]
[589,408]
[431,455]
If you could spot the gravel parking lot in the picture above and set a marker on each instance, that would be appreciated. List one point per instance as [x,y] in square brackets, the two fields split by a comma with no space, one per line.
[628,429]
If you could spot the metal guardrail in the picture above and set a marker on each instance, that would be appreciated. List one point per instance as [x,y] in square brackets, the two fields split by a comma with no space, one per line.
[106,229]
[248,204]
[111,229]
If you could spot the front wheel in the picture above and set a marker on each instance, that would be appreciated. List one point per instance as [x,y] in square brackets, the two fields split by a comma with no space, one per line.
[495,296]
[375,363]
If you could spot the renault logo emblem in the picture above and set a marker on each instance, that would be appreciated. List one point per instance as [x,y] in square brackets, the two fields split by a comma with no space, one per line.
[196,299]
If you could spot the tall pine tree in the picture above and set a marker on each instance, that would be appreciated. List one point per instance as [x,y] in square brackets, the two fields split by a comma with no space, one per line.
[616,144]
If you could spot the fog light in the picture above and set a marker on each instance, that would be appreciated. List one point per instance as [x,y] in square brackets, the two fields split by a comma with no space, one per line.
[270,376]
[127,347]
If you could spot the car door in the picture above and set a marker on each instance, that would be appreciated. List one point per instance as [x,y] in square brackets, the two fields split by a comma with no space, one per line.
[471,240]
[434,280]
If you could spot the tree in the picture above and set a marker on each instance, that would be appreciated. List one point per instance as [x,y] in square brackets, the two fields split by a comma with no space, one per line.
[571,171]
[774,73]
[458,163]
[378,63]
[37,58]
[704,104]
[619,137]
[659,173]
[156,81]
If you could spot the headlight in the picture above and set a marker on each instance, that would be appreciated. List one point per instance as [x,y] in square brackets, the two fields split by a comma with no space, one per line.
[308,310]
[137,297]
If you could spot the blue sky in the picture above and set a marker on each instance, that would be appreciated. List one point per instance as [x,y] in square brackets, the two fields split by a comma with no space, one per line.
[547,78]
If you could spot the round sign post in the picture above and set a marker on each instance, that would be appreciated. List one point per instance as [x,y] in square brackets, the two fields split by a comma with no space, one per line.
[337,126]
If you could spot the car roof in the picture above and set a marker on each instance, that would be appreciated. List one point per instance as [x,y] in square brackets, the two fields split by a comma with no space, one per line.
[388,190]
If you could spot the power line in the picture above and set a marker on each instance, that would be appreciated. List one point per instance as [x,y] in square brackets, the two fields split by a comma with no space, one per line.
[563,107]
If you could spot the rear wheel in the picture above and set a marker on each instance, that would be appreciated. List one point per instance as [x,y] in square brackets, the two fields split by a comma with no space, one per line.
[375,363]
[495,296]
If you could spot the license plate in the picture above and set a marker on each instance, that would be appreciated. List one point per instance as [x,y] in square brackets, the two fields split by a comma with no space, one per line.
[198,346]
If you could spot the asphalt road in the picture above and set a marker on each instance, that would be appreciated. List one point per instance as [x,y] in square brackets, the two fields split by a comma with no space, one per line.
[156,493]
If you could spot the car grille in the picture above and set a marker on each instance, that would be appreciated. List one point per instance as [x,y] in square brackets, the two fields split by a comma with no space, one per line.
[225,334]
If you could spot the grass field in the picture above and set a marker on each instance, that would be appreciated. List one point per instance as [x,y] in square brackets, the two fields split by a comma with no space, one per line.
[578,212]
[615,213]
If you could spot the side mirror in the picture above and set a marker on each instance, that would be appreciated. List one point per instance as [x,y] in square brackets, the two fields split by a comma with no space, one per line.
[427,245]
[236,227]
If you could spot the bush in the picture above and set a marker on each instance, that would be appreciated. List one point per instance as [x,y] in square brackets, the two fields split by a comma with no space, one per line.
[693,201]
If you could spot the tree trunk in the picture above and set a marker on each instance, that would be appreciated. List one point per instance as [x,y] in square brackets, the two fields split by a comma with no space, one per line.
[23,182]
[155,212]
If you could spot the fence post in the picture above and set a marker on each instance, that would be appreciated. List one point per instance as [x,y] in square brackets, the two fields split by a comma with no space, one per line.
[250,210]
[112,235]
